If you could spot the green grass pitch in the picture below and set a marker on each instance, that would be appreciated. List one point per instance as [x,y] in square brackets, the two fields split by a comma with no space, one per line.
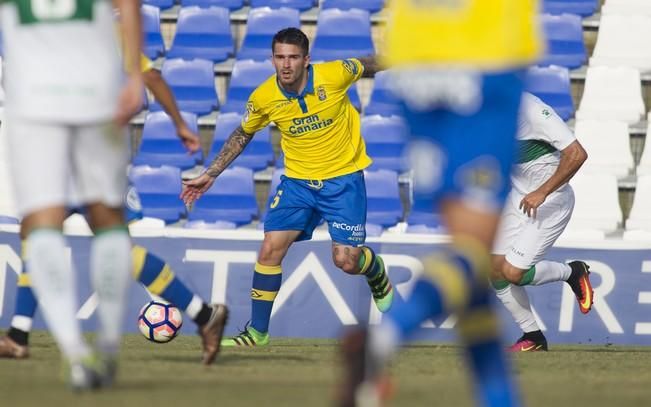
[302,372]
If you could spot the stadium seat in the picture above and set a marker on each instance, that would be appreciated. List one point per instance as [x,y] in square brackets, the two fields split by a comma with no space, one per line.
[385,138]
[603,101]
[246,76]
[626,8]
[193,85]
[231,199]
[552,85]
[382,101]
[640,216]
[372,6]
[384,207]
[565,43]
[161,4]
[422,219]
[644,168]
[342,34]
[203,33]
[596,203]
[229,4]
[257,155]
[608,146]
[159,190]
[154,46]
[262,24]
[583,8]
[161,145]
[623,41]
[301,5]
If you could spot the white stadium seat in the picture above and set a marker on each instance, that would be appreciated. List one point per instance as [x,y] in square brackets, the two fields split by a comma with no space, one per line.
[644,168]
[640,216]
[626,7]
[623,41]
[608,147]
[597,203]
[603,101]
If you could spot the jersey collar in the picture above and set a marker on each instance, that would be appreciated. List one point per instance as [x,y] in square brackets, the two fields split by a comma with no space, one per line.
[309,86]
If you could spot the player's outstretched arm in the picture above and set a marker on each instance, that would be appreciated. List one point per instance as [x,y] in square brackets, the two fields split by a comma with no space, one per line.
[130,99]
[371,66]
[163,94]
[572,158]
[194,188]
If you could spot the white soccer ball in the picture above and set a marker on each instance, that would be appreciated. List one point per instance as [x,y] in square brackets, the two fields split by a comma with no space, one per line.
[160,322]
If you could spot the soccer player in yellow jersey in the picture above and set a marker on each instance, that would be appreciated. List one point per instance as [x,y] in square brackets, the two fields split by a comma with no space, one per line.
[325,157]
[457,71]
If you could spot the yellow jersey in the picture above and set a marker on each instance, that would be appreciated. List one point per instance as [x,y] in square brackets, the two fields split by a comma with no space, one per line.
[483,34]
[320,129]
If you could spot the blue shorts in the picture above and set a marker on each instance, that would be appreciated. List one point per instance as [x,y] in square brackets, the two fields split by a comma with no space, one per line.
[466,154]
[301,204]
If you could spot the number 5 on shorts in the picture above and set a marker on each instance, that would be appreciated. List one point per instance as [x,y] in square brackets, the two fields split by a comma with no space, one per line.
[274,203]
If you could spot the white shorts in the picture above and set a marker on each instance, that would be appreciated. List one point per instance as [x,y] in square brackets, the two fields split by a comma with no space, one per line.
[51,163]
[525,240]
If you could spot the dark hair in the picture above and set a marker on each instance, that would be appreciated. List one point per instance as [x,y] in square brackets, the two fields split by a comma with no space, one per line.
[292,36]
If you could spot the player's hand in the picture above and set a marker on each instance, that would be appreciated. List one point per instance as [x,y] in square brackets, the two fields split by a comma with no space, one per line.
[130,99]
[194,188]
[530,203]
[189,139]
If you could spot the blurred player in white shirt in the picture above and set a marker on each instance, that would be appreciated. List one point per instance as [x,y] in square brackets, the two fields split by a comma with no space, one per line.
[536,212]
[67,101]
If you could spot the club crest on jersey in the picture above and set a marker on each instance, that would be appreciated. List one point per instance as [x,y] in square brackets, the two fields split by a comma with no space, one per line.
[546,113]
[321,93]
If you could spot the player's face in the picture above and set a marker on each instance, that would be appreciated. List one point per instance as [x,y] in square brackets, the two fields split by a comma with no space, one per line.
[290,63]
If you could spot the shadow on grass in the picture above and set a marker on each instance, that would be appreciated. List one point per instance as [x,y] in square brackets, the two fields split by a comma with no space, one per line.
[233,358]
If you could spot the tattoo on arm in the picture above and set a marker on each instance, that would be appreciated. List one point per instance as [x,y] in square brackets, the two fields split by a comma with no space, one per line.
[371,66]
[231,149]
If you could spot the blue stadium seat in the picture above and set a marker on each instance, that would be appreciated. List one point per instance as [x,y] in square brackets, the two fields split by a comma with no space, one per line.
[565,43]
[154,46]
[257,155]
[246,76]
[203,33]
[423,219]
[261,25]
[301,5]
[193,85]
[231,199]
[552,85]
[583,8]
[386,138]
[382,101]
[229,4]
[353,95]
[372,6]
[161,4]
[342,34]
[159,190]
[161,145]
[384,206]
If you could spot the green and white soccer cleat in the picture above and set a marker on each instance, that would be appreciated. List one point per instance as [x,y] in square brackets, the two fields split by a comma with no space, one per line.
[249,337]
[381,289]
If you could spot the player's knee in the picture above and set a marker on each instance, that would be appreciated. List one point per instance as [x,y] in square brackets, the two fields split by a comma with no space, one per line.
[496,270]
[511,273]
[344,262]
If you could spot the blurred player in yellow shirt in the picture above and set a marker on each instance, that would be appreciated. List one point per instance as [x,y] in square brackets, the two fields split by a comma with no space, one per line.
[325,157]
[457,72]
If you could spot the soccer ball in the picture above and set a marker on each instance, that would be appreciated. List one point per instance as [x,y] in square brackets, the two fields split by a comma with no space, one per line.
[160,322]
